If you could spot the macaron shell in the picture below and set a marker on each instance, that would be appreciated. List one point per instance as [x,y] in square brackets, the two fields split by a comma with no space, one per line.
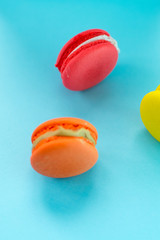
[76,40]
[65,157]
[150,113]
[64,120]
[90,66]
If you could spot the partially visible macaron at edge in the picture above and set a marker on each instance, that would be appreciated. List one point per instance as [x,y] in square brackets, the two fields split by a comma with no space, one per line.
[64,147]
[150,112]
[87,59]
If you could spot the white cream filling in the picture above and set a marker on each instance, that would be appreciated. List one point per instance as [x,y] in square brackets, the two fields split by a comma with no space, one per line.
[82,132]
[101,37]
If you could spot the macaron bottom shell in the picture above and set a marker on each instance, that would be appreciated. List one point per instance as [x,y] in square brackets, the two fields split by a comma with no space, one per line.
[64,157]
[90,66]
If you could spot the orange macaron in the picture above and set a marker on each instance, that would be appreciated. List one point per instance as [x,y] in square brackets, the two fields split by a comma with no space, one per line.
[64,147]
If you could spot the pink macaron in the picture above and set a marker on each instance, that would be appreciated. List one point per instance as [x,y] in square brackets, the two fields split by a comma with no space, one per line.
[87,59]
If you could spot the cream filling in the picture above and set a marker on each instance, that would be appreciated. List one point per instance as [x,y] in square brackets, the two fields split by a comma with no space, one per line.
[101,37]
[66,133]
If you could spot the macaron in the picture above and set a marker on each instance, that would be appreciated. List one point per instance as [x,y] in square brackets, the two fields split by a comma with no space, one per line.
[150,112]
[87,59]
[64,147]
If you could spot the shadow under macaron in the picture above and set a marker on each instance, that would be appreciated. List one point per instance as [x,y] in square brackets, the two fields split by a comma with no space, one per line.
[64,198]
[67,196]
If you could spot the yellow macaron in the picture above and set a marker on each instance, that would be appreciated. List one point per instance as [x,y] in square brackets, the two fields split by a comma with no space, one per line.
[150,112]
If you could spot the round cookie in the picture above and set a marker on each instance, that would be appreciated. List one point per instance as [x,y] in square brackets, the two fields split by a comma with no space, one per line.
[64,147]
[87,59]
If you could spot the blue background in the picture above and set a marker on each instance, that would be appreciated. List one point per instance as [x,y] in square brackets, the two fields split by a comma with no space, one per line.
[120,197]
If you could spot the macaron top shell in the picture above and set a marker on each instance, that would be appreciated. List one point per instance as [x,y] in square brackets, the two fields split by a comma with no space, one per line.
[67,122]
[74,42]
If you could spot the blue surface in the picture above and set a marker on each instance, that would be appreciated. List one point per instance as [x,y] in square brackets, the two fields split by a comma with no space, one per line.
[120,197]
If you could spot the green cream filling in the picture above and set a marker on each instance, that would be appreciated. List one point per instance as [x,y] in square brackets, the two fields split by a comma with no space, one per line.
[66,133]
